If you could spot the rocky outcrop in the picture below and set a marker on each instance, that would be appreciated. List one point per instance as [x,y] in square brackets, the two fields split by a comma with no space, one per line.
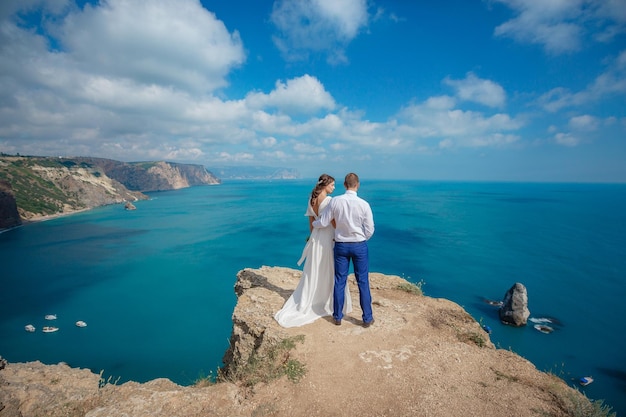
[422,357]
[153,176]
[47,186]
[130,206]
[514,309]
[9,215]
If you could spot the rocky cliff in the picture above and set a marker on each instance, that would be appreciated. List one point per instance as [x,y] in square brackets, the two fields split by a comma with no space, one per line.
[47,186]
[422,357]
[153,176]
[9,215]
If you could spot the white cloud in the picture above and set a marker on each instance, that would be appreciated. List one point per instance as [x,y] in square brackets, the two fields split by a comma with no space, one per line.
[309,149]
[152,42]
[348,16]
[560,25]
[584,122]
[478,90]
[613,14]
[302,95]
[268,142]
[438,118]
[277,156]
[612,82]
[224,157]
[133,100]
[319,26]
[48,7]
[566,139]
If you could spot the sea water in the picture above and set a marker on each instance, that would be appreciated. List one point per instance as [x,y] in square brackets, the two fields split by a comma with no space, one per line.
[155,285]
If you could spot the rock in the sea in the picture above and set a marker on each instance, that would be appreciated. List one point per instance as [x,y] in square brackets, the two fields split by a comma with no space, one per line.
[514,308]
[130,206]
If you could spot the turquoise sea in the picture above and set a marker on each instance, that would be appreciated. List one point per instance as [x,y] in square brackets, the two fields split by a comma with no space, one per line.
[155,285]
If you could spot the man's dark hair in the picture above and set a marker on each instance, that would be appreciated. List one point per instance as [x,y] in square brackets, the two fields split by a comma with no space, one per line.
[352,180]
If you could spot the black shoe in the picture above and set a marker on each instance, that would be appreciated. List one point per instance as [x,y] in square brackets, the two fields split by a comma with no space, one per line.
[337,322]
[366,325]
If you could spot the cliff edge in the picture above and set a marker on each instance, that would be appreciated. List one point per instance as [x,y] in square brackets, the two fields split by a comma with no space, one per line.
[9,215]
[422,357]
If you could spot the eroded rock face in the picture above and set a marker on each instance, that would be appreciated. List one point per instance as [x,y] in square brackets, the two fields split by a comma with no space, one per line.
[52,186]
[153,176]
[9,215]
[514,308]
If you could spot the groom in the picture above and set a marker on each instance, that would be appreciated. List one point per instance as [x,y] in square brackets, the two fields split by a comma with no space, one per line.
[354,226]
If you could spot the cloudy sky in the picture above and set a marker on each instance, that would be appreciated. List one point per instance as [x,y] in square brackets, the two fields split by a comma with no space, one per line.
[513,90]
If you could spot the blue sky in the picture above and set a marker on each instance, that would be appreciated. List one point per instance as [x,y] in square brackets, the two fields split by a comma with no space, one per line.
[504,90]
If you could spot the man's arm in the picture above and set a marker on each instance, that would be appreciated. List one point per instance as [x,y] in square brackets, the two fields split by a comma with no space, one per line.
[325,218]
[368,223]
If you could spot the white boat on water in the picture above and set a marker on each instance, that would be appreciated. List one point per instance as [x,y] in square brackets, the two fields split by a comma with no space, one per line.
[49,329]
[29,328]
[494,303]
[585,380]
[540,320]
[50,317]
[81,323]
[543,328]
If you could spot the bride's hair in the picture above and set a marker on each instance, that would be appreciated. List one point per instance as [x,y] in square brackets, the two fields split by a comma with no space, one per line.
[322,182]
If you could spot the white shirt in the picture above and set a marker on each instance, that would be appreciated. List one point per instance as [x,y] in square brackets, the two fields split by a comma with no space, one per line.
[352,215]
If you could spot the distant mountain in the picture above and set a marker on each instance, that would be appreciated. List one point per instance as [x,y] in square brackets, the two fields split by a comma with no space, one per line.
[48,186]
[255,172]
[152,175]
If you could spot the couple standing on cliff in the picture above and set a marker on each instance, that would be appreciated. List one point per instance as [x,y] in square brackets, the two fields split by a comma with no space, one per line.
[340,228]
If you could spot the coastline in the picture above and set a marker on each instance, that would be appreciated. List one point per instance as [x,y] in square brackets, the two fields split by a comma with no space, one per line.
[38,219]
[44,218]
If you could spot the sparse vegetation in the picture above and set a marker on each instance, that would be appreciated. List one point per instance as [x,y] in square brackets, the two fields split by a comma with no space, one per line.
[597,408]
[144,165]
[205,380]
[33,194]
[473,337]
[412,288]
[502,375]
[273,364]
[109,381]
[573,403]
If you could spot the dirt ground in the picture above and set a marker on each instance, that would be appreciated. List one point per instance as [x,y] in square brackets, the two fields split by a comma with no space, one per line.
[421,357]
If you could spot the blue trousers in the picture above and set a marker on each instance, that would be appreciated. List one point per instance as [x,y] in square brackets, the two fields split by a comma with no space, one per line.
[359,255]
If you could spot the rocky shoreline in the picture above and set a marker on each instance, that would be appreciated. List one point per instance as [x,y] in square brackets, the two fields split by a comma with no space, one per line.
[39,188]
[422,357]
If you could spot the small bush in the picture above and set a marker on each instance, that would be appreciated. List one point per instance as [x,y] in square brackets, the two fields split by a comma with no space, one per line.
[472,337]
[265,367]
[581,406]
[412,288]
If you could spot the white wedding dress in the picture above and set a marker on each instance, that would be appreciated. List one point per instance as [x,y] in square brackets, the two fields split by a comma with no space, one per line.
[313,297]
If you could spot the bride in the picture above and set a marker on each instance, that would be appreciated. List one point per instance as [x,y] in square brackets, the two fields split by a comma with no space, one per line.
[313,297]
